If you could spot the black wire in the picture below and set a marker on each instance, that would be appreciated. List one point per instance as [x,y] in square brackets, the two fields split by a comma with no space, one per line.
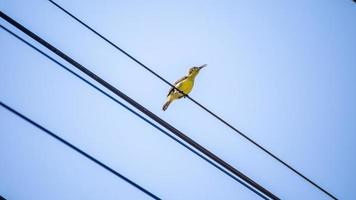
[78,150]
[140,107]
[134,112]
[197,103]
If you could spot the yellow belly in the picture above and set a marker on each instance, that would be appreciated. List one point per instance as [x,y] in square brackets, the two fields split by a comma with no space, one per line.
[186,86]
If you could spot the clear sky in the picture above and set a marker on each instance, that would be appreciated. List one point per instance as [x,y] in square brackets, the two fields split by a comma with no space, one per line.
[282,72]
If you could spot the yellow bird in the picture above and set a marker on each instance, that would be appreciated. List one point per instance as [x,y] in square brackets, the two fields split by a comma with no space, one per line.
[184,84]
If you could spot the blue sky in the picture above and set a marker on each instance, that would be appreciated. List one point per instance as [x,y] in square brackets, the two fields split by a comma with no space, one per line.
[282,72]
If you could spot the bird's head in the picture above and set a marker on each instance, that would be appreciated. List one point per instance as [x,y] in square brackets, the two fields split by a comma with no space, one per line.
[195,70]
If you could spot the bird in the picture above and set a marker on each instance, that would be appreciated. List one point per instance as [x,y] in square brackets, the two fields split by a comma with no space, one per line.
[184,84]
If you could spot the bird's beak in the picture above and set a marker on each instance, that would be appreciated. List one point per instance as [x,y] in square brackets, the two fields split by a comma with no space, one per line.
[201,67]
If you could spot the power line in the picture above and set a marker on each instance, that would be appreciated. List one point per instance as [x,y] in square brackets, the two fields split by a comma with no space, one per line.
[197,103]
[134,112]
[78,150]
[140,107]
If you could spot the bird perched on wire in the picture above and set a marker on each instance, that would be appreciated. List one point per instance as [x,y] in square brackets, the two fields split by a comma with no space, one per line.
[184,84]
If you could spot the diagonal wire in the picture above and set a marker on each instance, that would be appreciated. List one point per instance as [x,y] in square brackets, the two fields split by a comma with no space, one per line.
[191,142]
[197,103]
[68,144]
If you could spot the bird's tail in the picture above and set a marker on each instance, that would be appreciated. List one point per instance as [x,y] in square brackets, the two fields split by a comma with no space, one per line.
[165,105]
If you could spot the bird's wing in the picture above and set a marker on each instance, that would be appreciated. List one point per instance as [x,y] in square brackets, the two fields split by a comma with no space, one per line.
[183,78]
[176,83]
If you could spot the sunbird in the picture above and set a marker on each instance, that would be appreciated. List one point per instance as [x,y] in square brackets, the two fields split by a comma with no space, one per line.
[184,84]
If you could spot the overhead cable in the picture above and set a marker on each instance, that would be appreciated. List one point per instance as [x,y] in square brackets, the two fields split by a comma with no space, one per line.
[169,127]
[68,144]
[196,102]
[134,112]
